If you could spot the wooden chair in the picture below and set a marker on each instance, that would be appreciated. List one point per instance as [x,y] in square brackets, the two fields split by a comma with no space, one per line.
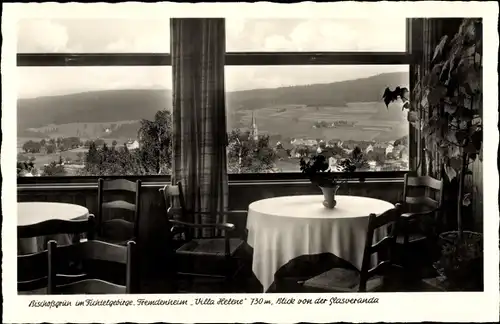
[32,272]
[92,251]
[419,208]
[118,230]
[32,269]
[382,277]
[202,253]
[418,238]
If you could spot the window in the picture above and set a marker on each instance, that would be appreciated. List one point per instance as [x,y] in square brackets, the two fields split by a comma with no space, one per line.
[293,85]
[93,113]
[298,86]
[93,36]
[316,35]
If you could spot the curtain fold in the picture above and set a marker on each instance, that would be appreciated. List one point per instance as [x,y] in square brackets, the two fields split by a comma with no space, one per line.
[199,118]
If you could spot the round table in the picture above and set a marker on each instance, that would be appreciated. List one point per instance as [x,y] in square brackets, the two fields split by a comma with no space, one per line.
[29,213]
[283,228]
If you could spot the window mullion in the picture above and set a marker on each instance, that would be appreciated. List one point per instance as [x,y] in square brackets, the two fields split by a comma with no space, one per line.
[93,59]
[322,58]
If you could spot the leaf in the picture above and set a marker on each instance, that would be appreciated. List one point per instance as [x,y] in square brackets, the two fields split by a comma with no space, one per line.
[453,151]
[469,31]
[427,130]
[449,108]
[412,116]
[479,47]
[446,69]
[474,81]
[443,150]
[435,73]
[456,163]
[451,137]
[461,135]
[440,48]
[424,103]
[470,149]
[450,172]
[436,95]
[403,94]
[467,199]
[477,139]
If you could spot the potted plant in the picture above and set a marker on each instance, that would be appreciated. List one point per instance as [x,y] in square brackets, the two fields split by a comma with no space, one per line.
[447,108]
[317,167]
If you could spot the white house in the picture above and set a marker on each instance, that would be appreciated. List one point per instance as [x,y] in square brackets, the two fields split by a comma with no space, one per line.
[372,164]
[132,145]
[389,149]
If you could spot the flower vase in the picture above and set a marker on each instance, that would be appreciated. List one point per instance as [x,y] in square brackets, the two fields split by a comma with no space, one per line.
[329,195]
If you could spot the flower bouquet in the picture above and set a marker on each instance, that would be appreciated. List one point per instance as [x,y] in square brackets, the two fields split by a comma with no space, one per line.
[326,176]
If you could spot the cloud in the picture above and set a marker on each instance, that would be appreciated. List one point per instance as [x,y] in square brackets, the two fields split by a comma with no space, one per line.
[323,35]
[276,43]
[234,27]
[42,36]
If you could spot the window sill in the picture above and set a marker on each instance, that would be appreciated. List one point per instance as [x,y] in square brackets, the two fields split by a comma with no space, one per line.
[90,183]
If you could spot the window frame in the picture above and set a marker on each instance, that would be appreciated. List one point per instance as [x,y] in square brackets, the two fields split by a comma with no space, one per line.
[408,57]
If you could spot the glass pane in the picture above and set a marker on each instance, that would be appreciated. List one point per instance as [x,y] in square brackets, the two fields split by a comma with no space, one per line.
[93,36]
[309,35]
[61,110]
[278,113]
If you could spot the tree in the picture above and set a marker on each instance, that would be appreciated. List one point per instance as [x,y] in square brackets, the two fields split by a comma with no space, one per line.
[99,142]
[51,148]
[154,155]
[247,155]
[54,169]
[358,159]
[25,167]
[92,156]
[79,156]
[31,147]
[155,138]
[43,142]
[302,150]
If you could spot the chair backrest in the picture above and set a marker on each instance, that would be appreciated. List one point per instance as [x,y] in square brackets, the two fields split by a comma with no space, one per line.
[173,197]
[32,271]
[118,229]
[92,251]
[59,226]
[175,205]
[432,188]
[389,218]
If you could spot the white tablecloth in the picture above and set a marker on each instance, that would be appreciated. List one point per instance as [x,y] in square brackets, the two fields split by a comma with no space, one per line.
[283,228]
[29,213]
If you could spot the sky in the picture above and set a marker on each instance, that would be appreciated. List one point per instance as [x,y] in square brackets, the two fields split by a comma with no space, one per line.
[143,36]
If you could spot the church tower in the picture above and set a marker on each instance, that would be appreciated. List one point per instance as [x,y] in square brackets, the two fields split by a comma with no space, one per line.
[254,132]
